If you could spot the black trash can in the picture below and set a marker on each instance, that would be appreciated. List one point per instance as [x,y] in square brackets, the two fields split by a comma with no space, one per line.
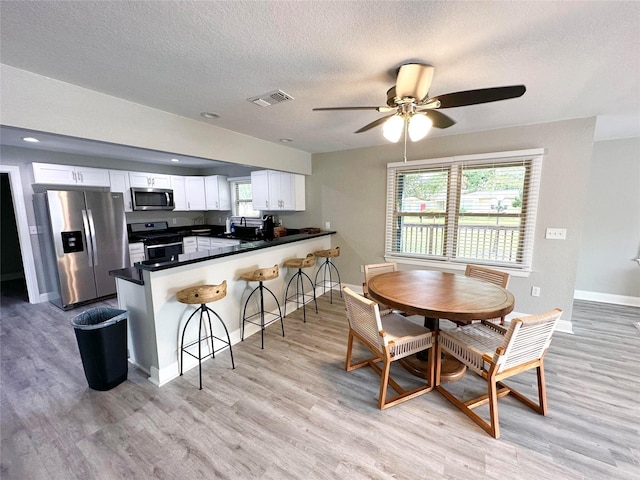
[102,339]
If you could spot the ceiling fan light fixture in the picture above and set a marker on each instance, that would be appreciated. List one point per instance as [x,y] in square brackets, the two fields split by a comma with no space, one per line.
[392,128]
[419,126]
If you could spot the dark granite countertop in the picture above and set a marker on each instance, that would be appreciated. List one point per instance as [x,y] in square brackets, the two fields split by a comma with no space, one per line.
[134,274]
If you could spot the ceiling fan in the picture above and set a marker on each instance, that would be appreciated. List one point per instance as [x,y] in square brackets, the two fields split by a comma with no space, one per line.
[412,110]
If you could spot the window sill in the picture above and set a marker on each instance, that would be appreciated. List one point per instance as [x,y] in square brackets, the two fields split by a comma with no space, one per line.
[452,266]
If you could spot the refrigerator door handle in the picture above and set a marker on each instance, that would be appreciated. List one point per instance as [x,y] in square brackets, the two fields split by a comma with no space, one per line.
[94,243]
[88,236]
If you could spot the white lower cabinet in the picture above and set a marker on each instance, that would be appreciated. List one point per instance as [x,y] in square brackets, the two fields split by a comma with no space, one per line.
[189,244]
[136,252]
[207,243]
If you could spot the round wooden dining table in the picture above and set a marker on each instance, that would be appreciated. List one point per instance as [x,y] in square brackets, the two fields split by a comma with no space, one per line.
[435,295]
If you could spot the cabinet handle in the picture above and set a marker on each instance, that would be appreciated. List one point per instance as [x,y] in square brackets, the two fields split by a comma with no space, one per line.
[75,178]
[81,177]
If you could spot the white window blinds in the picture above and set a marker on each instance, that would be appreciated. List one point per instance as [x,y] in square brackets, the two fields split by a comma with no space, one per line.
[476,208]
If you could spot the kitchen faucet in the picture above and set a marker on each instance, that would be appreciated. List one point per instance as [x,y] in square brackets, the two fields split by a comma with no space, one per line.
[242,219]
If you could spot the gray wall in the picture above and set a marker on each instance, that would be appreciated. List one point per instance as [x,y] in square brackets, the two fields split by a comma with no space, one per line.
[611,232]
[348,188]
[44,104]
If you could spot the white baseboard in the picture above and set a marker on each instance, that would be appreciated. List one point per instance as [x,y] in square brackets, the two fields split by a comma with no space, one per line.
[606,298]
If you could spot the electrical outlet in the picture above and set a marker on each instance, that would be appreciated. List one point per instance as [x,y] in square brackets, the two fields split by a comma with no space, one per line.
[556,234]
[327,225]
[173,221]
[33,229]
[535,291]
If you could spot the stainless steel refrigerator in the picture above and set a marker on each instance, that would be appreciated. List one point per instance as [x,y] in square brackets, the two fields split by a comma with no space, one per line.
[84,237]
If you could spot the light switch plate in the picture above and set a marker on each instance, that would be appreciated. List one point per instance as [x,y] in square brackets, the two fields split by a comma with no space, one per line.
[556,234]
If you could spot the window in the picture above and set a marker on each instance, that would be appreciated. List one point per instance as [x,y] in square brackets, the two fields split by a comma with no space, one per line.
[241,197]
[471,209]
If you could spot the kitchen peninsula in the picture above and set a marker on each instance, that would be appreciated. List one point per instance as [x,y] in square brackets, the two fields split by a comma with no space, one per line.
[148,292]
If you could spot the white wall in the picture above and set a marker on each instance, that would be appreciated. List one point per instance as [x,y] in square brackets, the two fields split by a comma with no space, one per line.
[348,188]
[611,232]
[40,103]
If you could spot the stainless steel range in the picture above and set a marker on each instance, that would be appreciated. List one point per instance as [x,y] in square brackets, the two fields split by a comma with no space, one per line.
[158,241]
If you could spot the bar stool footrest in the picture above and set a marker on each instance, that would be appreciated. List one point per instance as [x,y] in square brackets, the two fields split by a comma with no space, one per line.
[275,318]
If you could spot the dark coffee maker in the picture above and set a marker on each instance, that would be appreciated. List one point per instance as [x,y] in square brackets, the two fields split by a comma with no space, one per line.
[267,227]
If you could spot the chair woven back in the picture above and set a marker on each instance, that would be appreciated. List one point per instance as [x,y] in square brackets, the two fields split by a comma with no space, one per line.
[527,339]
[364,318]
[488,275]
[374,269]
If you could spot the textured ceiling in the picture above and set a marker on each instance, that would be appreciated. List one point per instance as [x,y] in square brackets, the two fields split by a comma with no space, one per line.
[577,59]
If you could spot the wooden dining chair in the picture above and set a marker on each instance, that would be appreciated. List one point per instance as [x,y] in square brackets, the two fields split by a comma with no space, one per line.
[489,275]
[390,338]
[496,353]
[370,271]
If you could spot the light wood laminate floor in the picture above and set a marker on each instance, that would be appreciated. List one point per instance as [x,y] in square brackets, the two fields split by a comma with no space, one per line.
[291,411]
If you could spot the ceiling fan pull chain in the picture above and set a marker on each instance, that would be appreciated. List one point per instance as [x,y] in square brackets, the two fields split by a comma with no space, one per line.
[406,125]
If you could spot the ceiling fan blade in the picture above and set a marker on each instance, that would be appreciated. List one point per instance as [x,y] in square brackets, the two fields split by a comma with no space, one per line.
[439,119]
[414,80]
[482,95]
[349,108]
[375,123]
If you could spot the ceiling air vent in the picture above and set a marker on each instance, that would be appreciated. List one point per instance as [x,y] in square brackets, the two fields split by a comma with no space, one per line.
[267,99]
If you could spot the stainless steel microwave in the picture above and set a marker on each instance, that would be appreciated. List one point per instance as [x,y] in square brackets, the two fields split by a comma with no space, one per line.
[152,198]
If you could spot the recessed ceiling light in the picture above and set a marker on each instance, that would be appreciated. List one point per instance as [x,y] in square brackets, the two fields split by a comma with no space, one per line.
[30,139]
[210,115]
[286,140]
[175,159]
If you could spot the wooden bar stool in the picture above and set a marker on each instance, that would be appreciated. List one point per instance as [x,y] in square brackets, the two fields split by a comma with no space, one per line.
[201,295]
[299,276]
[261,275]
[327,268]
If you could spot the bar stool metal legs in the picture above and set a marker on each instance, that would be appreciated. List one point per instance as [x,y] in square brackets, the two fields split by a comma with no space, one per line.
[326,272]
[261,318]
[299,296]
[202,295]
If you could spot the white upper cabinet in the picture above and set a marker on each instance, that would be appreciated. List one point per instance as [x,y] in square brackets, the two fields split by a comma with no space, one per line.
[217,193]
[260,190]
[195,190]
[149,180]
[272,190]
[292,191]
[188,193]
[119,182]
[68,175]
[179,193]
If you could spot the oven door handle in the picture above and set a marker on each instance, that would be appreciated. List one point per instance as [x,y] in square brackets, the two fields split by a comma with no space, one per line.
[165,245]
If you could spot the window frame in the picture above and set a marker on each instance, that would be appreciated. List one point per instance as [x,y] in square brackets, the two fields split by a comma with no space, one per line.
[234,199]
[454,166]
